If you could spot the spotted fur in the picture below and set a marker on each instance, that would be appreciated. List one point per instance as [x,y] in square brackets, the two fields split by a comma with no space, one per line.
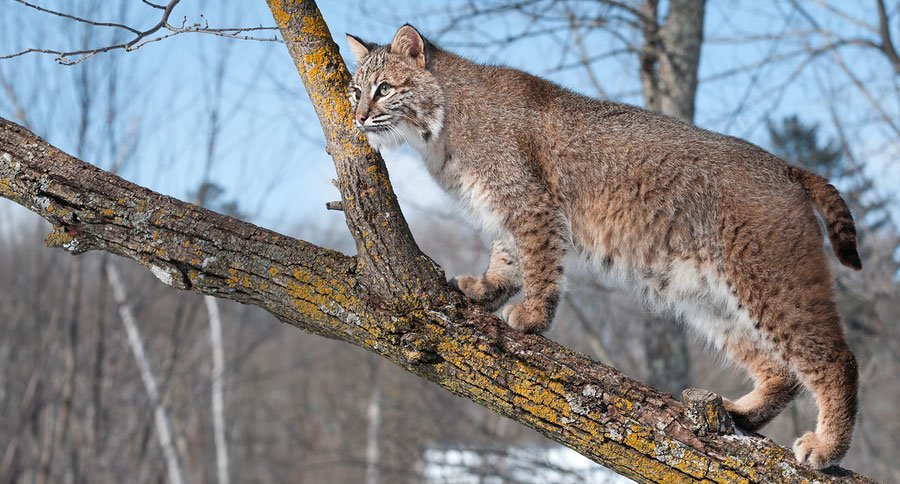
[707,227]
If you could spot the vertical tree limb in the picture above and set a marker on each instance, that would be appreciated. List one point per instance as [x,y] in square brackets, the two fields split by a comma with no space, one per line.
[383,239]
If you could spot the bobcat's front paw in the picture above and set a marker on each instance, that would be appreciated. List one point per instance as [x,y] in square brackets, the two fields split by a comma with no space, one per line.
[481,290]
[519,318]
[817,453]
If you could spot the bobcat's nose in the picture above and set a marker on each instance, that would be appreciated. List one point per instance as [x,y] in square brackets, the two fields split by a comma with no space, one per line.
[361,118]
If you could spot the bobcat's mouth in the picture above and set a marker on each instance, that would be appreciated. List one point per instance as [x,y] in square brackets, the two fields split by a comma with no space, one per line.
[373,128]
[379,122]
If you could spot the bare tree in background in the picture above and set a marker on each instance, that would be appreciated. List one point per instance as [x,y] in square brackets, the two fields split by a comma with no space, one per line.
[670,56]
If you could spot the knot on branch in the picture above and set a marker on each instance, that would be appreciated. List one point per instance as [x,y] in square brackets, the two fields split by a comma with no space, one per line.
[170,274]
[705,413]
[71,240]
[418,349]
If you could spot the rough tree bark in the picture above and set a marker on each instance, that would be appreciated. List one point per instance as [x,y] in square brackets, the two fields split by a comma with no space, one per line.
[389,299]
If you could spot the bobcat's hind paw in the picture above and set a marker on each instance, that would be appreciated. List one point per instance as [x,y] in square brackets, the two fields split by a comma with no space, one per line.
[519,318]
[815,452]
[744,418]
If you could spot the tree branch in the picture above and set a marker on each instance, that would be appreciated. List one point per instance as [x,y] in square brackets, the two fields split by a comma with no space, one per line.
[588,406]
[390,299]
[884,31]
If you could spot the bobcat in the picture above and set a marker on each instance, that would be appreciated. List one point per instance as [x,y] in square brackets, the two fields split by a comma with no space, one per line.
[707,227]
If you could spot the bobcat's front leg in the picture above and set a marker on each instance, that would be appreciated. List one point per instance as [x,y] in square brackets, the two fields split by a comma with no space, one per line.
[540,233]
[501,281]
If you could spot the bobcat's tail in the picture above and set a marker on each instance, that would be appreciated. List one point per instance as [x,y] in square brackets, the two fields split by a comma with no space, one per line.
[838,220]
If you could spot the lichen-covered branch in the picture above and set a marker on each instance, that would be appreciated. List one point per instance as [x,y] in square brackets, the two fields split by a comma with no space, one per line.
[390,299]
[590,407]
[383,239]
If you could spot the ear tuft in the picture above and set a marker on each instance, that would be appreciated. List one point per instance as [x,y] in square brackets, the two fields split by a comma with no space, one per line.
[359,47]
[410,43]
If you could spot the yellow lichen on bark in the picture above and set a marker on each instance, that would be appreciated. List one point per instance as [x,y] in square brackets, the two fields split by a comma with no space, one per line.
[325,83]
[5,187]
[320,297]
[541,395]
[58,237]
[279,11]
[315,26]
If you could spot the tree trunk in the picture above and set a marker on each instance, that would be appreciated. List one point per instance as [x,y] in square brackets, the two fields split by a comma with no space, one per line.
[373,437]
[680,38]
[389,299]
[670,56]
[669,61]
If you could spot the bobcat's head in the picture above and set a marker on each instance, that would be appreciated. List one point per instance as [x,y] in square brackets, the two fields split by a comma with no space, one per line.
[395,98]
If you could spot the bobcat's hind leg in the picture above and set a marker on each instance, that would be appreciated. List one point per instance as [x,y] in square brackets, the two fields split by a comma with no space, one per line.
[501,281]
[804,328]
[774,384]
[828,367]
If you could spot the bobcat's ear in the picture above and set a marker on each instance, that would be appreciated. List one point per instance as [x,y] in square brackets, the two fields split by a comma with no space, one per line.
[359,47]
[408,42]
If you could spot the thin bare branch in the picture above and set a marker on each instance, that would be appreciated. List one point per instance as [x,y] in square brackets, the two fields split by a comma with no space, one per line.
[141,37]
[154,5]
[79,19]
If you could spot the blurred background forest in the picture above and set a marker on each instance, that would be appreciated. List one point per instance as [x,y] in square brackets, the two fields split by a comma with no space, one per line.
[107,375]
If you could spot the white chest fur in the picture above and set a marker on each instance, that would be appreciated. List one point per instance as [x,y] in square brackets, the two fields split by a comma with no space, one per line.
[447,171]
[469,190]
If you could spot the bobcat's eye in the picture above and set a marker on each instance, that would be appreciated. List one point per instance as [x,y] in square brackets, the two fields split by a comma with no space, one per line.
[355,93]
[384,88]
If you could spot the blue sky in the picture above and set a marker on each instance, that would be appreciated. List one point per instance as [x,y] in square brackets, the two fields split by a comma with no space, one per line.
[270,155]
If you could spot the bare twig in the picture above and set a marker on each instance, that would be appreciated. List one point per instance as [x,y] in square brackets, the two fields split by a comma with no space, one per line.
[79,19]
[141,37]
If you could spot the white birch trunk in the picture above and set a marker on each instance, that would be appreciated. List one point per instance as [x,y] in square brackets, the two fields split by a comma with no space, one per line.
[218,376]
[373,452]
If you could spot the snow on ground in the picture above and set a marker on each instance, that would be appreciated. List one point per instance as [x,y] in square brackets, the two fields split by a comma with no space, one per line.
[527,465]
